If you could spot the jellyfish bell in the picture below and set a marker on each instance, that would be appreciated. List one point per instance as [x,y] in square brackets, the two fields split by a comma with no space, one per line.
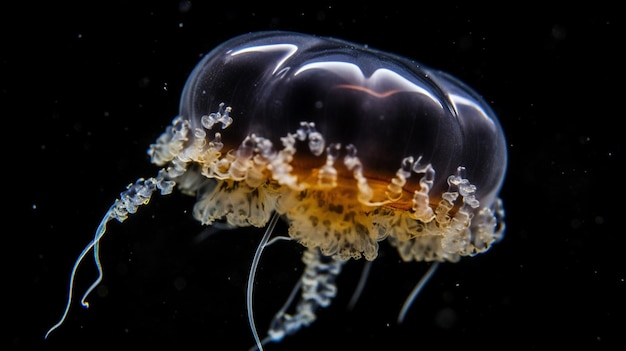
[345,142]
[349,145]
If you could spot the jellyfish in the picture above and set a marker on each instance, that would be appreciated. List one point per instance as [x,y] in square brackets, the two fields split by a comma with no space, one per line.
[348,145]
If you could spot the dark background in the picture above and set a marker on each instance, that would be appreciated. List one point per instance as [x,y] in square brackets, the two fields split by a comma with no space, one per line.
[86,87]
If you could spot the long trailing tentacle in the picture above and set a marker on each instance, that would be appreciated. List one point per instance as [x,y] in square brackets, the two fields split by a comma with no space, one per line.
[96,256]
[287,303]
[317,289]
[136,194]
[92,245]
[252,273]
[416,290]
[361,285]
[281,312]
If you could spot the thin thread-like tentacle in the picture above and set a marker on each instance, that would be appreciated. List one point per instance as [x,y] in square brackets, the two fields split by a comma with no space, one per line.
[278,238]
[136,195]
[418,287]
[287,303]
[214,228]
[280,312]
[264,342]
[94,244]
[361,285]
[96,256]
[290,299]
[251,275]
